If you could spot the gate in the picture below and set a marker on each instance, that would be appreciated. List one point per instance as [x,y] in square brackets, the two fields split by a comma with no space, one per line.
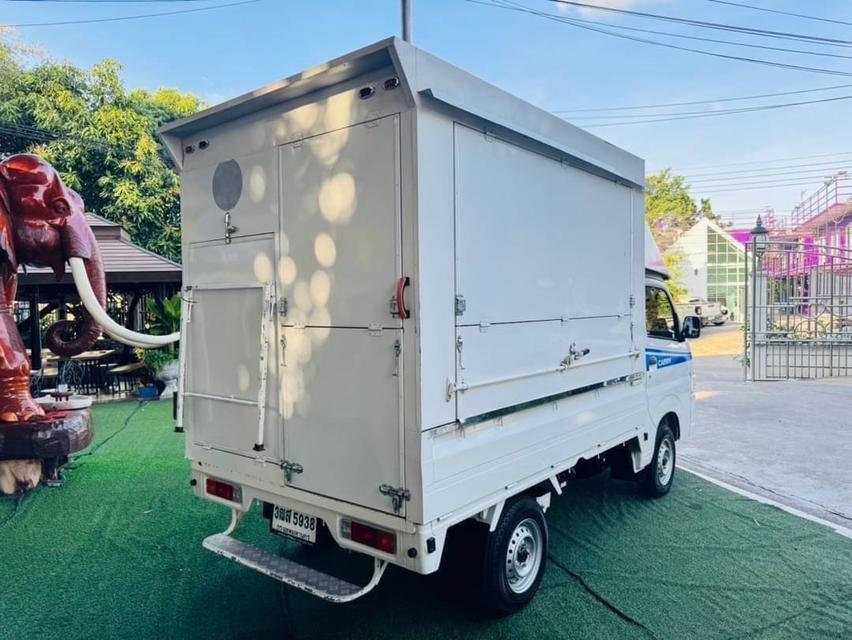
[799,310]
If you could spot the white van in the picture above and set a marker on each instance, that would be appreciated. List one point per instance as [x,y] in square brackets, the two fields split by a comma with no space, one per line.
[413,300]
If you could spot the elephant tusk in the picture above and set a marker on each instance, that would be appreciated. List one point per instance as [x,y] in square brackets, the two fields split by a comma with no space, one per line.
[110,326]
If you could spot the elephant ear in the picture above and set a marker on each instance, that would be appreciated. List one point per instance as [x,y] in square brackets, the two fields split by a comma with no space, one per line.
[7,244]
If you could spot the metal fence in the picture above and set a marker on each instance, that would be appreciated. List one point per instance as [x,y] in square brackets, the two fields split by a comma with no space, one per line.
[799,310]
[836,192]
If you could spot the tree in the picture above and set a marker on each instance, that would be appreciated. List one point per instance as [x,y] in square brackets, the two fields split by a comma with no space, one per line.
[100,137]
[670,210]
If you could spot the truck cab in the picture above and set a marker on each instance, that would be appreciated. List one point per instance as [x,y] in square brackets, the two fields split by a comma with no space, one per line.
[668,359]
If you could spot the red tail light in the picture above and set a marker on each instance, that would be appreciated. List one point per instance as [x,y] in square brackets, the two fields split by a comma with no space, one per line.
[370,536]
[224,490]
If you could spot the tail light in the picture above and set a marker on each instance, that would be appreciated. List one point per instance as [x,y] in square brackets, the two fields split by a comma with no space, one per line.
[224,490]
[367,535]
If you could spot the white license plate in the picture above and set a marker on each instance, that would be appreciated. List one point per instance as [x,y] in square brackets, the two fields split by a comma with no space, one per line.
[294,523]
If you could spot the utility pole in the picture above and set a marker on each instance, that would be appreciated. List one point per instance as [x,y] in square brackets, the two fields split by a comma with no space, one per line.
[406,20]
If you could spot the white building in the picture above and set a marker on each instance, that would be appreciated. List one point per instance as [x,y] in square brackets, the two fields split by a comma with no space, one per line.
[713,266]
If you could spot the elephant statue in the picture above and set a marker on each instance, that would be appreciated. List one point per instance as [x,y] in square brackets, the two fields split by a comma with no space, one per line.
[43,223]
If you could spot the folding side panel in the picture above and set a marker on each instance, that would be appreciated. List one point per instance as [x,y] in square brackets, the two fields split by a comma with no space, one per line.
[544,264]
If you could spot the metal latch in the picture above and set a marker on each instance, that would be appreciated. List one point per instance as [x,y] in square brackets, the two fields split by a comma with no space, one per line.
[283,307]
[398,495]
[290,468]
[461,305]
[229,228]
[574,354]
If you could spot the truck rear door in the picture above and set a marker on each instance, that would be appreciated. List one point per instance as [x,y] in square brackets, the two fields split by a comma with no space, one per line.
[342,356]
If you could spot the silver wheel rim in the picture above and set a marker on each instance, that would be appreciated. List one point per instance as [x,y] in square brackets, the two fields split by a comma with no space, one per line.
[523,555]
[665,461]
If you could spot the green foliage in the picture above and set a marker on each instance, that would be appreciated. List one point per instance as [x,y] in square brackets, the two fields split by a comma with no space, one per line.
[669,209]
[99,136]
[155,359]
[163,318]
[164,315]
[673,259]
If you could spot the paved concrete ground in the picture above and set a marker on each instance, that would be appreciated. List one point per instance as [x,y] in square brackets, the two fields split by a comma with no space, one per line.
[790,441]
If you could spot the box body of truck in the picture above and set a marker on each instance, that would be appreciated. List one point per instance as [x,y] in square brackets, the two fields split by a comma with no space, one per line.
[409,296]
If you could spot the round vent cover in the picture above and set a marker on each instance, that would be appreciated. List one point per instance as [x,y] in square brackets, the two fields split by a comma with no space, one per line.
[227,185]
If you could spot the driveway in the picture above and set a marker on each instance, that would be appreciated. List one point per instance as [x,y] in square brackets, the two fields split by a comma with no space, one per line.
[790,441]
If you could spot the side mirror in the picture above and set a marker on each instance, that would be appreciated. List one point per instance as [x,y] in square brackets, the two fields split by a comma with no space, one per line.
[691,327]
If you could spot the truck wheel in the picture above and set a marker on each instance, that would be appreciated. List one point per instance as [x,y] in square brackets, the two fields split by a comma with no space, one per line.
[515,556]
[657,478]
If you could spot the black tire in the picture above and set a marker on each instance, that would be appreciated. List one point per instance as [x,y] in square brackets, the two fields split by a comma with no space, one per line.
[515,557]
[657,478]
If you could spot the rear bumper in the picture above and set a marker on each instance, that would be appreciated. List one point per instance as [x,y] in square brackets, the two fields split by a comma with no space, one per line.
[418,547]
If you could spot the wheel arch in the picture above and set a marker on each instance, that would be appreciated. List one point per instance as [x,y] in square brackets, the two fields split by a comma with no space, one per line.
[671,418]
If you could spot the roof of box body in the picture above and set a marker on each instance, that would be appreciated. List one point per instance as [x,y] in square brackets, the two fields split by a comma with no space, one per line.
[425,77]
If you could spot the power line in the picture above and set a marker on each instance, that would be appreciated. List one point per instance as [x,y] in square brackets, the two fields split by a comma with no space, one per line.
[831,164]
[711,114]
[789,175]
[760,183]
[766,161]
[511,6]
[694,102]
[36,134]
[784,13]
[103,1]
[706,25]
[765,186]
[710,111]
[138,16]
[714,40]
[779,181]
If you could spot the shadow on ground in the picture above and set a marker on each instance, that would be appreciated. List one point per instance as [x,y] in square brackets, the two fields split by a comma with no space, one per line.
[117,552]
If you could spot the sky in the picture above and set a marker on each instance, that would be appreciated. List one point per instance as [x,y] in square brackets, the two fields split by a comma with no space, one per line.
[224,52]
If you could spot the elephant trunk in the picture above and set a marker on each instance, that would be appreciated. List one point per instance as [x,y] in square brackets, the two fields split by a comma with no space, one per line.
[80,241]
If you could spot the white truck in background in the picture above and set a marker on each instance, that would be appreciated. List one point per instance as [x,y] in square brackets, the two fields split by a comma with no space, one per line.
[714,313]
[413,300]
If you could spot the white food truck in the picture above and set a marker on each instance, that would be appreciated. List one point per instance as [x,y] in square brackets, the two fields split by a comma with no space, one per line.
[414,300]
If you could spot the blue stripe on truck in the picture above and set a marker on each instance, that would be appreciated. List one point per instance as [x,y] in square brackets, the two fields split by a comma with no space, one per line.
[663,358]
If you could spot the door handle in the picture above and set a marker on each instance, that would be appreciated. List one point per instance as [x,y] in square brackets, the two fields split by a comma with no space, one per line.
[401,310]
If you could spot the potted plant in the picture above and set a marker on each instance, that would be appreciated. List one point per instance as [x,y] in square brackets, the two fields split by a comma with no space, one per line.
[164,318]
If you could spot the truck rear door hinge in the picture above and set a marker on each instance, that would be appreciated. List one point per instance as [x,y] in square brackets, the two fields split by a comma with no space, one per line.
[398,495]
[290,468]
[283,307]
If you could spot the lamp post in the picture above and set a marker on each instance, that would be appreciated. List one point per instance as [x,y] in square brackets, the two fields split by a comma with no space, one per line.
[755,312]
[759,238]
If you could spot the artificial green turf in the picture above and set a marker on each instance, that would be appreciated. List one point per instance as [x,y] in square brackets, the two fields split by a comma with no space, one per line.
[116,552]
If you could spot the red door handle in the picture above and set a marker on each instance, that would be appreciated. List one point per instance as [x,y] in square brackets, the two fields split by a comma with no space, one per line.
[401,310]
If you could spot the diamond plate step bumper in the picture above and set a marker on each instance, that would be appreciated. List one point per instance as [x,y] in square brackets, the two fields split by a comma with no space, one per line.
[292,573]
